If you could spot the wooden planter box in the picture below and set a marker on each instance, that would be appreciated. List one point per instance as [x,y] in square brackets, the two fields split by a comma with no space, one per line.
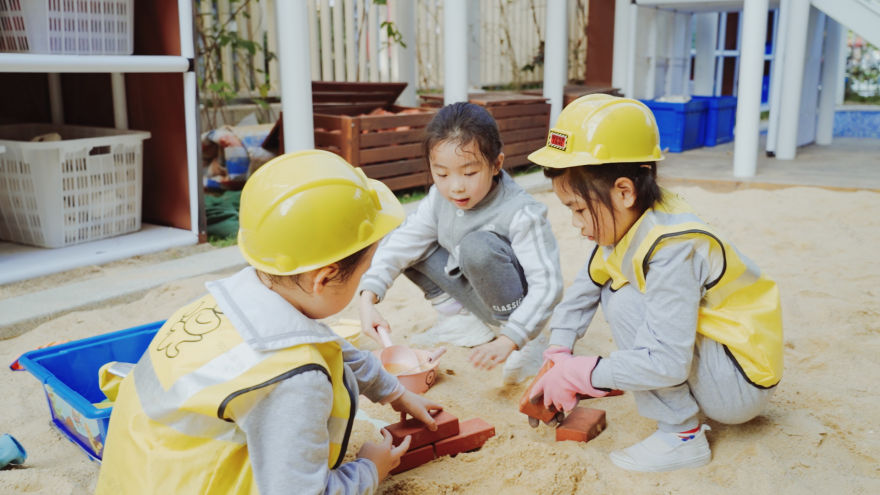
[524,121]
[574,91]
[386,147]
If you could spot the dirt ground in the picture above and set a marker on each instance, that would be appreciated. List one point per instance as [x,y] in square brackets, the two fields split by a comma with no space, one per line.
[820,434]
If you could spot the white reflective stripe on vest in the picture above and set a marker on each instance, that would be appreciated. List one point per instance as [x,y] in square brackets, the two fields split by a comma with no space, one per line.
[165,406]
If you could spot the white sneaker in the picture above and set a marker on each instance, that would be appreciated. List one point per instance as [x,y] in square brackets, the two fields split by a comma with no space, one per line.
[665,452]
[463,329]
[524,363]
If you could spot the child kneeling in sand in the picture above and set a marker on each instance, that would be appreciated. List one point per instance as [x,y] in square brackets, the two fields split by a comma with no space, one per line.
[698,324]
[242,391]
[478,245]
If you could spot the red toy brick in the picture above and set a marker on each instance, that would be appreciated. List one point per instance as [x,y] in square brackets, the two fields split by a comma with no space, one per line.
[447,426]
[581,425]
[474,433]
[537,410]
[414,458]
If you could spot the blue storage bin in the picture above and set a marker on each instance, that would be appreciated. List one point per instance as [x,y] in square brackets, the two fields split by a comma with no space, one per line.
[682,125]
[69,375]
[720,119]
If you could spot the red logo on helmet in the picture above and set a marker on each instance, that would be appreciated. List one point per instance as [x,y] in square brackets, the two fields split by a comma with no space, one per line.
[558,140]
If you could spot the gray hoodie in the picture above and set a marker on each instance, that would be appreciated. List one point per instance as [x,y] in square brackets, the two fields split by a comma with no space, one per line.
[287,435]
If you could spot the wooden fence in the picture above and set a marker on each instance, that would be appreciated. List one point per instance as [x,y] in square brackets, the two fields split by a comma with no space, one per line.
[349,41]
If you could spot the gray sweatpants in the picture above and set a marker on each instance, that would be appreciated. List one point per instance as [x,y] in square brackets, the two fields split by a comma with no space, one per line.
[714,386]
[491,284]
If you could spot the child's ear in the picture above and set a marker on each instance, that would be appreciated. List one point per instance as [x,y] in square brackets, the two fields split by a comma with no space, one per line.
[626,190]
[499,164]
[323,277]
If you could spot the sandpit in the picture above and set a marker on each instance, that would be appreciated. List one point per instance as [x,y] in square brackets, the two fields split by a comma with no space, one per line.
[820,434]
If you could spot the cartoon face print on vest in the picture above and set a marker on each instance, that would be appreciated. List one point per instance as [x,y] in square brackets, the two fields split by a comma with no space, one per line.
[190,329]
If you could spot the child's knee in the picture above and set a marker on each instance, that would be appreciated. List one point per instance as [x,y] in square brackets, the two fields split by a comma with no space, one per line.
[480,249]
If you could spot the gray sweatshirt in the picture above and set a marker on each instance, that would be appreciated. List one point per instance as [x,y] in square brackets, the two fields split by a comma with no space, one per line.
[287,435]
[508,211]
[664,346]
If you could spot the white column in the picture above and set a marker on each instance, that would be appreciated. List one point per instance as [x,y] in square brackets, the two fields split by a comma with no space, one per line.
[120,107]
[825,123]
[686,80]
[841,65]
[406,13]
[292,21]
[629,88]
[621,43]
[751,72]
[792,78]
[704,63]
[555,57]
[455,51]
[56,102]
[777,76]
[474,51]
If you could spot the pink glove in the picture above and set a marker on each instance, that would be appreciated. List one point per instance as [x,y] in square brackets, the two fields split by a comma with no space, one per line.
[569,377]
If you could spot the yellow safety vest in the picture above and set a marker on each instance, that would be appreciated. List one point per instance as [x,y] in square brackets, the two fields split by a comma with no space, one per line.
[740,308]
[173,425]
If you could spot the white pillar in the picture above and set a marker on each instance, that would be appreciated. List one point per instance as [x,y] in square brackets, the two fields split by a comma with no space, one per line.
[555,57]
[56,102]
[629,88]
[792,78]
[474,51]
[777,76]
[841,65]
[621,43]
[292,21]
[455,53]
[751,72]
[704,63]
[120,106]
[406,13]
[825,123]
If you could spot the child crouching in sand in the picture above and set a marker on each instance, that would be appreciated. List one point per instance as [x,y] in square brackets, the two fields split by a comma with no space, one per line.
[479,246]
[242,391]
[698,324]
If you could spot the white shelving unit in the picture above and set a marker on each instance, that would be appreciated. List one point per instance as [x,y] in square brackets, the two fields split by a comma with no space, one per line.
[19,262]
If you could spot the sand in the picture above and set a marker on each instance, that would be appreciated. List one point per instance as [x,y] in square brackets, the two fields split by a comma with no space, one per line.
[820,434]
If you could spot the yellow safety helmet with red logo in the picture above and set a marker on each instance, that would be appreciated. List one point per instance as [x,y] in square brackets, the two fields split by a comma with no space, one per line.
[598,129]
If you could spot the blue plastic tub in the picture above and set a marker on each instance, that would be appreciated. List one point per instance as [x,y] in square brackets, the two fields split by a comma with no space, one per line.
[720,119]
[69,374]
[682,125]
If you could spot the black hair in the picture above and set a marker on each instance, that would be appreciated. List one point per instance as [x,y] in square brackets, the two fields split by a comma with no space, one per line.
[593,184]
[347,266]
[464,123]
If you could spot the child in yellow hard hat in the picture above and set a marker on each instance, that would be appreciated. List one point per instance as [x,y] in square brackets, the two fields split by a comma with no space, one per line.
[479,246]
[243,391]
[698,324]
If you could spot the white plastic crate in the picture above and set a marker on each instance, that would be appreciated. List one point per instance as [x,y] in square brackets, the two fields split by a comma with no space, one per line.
[69,27]
[87,186]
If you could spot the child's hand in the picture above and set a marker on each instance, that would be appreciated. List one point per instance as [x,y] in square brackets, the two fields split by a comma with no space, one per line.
[418,407]
[370,318]
[385,456]
[487,356]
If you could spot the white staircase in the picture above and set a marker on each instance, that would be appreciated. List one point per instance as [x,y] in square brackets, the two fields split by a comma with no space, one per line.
[860,16]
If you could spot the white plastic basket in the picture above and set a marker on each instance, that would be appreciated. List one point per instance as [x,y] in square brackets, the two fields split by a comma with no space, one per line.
[70,27]
[87,186]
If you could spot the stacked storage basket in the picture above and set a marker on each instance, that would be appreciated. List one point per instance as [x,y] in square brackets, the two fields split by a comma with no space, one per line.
[682,125]
[87,186]
[720,119]
[81,27]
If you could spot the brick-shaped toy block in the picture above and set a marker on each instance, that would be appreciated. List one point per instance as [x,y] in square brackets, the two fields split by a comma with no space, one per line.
[447,426]
[474,433]
[537,410]
[581,425]
[414,458]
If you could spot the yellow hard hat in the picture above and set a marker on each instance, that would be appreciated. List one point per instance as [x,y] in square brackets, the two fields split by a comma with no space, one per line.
[309,209]
[597,129]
